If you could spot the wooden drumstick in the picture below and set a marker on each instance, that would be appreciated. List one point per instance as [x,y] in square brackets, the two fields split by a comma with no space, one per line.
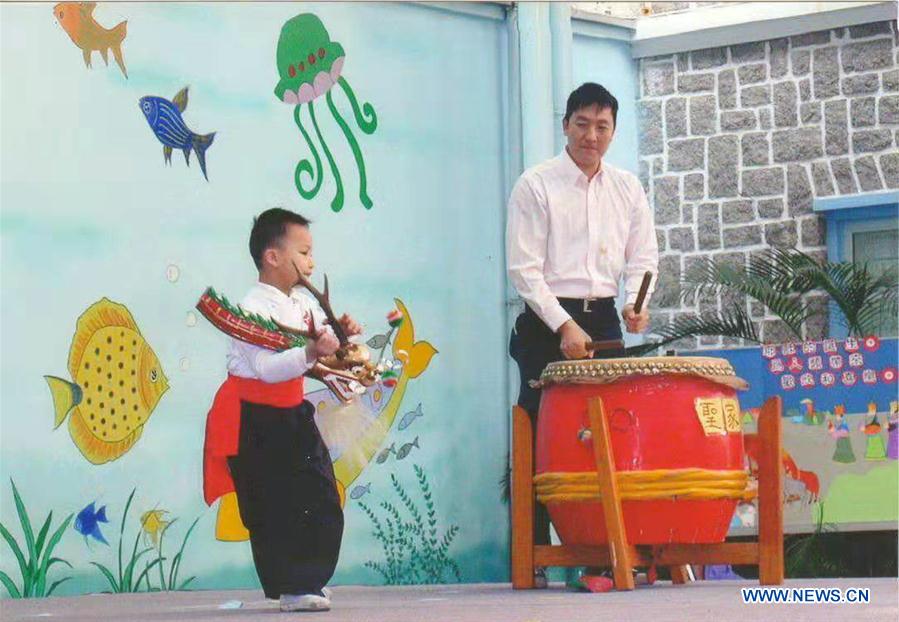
[608,344]
[617,344]
[641,295]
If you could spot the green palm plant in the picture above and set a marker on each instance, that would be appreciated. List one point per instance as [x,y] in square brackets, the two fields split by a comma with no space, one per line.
[816,554]
[780,279]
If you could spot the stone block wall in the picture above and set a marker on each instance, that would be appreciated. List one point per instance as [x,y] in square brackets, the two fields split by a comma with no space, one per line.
[735,142]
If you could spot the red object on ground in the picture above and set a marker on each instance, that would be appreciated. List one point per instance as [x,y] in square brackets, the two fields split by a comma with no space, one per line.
[597,584]
[654,425]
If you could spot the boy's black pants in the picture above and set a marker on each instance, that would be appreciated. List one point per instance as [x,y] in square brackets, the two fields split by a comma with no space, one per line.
[288,499]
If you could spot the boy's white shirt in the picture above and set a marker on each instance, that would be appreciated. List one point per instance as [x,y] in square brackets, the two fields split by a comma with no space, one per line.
[249,361]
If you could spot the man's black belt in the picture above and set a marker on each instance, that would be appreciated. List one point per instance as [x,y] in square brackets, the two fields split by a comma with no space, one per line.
[587,305]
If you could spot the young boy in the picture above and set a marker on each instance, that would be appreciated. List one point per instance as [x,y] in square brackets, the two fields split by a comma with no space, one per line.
[281,471]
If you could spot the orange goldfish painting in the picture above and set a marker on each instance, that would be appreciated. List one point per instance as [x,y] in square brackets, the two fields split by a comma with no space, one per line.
[77,19]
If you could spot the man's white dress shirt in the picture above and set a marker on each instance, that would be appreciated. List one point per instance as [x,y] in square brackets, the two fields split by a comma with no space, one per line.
[568,237]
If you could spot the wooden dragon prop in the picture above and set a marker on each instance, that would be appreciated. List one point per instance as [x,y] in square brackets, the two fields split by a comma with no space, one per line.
[347,372]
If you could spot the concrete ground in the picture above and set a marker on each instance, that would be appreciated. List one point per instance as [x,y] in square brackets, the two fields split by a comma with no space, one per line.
[704,601]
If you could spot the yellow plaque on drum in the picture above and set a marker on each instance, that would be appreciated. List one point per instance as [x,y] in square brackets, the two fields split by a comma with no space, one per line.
[711,415]
[732,416]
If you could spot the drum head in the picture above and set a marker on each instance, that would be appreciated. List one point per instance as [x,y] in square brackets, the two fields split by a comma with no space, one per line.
[602,371]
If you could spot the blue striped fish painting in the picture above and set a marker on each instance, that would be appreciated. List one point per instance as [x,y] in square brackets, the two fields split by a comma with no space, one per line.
[168,125]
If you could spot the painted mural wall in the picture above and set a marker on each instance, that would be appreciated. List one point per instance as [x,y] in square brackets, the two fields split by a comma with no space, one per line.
[840,430]
[138,142]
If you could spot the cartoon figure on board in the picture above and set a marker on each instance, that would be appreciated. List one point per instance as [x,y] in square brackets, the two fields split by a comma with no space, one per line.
[840,432]
[798,482]
[802,480]
[875,448]
[810,416]
[750,417]
[893,431]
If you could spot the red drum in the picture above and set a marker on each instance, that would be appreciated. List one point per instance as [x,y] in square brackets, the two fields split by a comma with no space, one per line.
[676,434]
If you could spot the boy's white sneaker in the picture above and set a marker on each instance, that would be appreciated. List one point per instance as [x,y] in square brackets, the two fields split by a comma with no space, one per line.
[304,602]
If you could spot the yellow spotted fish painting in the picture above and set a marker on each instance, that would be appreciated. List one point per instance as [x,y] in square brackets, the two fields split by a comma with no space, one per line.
[117,382]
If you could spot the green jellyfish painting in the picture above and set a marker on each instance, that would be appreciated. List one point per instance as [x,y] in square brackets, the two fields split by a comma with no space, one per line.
[309,64]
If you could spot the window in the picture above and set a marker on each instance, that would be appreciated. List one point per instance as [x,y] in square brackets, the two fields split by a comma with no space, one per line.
[877,246]
[863,228]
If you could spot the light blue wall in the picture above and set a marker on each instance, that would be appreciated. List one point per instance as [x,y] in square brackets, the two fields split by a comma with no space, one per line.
[90,210]
[603,54]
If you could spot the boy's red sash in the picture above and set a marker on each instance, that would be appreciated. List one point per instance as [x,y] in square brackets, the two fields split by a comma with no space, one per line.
[223,425]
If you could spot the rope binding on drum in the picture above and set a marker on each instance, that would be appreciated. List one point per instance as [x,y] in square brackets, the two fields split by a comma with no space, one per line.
[659,484]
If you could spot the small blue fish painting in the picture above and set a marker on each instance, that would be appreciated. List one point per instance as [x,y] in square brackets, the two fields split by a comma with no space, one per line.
[406,449]
[168,126]
[382,457]
[360,491]
[87,523]
[409,417]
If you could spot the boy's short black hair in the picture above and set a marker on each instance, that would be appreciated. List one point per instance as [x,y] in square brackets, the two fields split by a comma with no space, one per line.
[588,94]
[268,229]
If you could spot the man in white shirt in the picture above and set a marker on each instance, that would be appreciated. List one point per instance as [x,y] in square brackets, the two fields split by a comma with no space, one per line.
[576,226]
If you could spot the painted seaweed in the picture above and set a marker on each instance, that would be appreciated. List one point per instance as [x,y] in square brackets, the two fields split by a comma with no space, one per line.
[35,569]
[124,580]
[414,550]
[168,581]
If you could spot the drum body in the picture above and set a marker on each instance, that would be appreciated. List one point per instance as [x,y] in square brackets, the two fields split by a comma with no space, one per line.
[655,414]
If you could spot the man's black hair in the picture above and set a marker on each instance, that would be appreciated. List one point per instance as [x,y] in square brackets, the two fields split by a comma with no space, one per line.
[588,94]
[268,229]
